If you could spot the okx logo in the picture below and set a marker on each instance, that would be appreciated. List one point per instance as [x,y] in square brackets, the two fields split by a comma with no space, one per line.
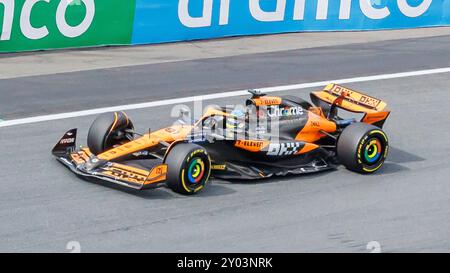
[39,24]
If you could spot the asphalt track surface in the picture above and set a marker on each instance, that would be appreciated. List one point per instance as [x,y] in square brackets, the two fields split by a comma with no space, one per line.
[404,207]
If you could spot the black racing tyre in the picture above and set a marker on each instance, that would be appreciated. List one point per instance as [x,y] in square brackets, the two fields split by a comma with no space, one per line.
[362,148]
[189,168]
[108,130]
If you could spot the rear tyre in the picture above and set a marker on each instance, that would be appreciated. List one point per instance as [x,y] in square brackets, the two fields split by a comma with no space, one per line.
[362,148]
[107,130]
[189,168]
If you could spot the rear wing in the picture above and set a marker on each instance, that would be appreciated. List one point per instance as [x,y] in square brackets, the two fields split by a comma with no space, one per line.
[353,101]
[335,95]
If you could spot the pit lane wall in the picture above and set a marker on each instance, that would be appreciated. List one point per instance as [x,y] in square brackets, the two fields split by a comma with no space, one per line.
[49,24]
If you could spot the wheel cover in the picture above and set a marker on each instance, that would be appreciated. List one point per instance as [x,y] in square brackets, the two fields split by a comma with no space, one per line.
[196,170]
[373,151]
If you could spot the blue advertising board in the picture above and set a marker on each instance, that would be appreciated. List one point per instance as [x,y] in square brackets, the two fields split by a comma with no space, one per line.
[44,24]
[159,21]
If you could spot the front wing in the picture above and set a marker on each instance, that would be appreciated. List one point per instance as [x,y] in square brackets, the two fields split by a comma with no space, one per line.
[82,162]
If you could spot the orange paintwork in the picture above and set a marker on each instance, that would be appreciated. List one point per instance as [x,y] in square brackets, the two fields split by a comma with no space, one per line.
[311,131]
[84,156]
[125,175]
[351,100]
[124,172]
[130,169]
[168,135]
[252,145]
[126,116]
[308,148]
[372,118]
[317,110]
[77,158]
[135,175]
[157,174]
[81,156]
[147,141]
[116,119]
[266,101]
[87,151]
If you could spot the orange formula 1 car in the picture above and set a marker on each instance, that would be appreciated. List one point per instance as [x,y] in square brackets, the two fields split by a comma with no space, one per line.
[268,136]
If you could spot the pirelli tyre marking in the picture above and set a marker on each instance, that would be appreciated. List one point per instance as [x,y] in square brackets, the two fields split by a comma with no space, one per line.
[219,167]
[197,171]
[373,150]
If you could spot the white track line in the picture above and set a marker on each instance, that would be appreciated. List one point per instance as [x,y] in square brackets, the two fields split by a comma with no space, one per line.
[97,111]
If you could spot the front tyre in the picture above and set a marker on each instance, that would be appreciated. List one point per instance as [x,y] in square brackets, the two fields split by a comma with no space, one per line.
[362,148]
[107,130]
[189,168]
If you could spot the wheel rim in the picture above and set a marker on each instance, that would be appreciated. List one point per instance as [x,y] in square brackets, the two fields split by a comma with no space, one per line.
[196,171]
[373,150]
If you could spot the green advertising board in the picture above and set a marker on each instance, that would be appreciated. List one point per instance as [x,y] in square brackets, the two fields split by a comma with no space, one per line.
[49,24]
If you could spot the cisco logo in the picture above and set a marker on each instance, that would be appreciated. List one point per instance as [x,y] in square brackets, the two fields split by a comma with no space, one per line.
[372,9]
[38,32]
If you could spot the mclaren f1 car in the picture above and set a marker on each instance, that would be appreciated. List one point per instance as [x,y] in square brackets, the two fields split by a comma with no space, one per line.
[267,136]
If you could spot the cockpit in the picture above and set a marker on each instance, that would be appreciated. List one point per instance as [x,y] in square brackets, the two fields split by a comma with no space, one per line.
[262,117]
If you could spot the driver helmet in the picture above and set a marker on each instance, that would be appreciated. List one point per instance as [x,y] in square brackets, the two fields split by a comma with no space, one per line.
[236,120]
